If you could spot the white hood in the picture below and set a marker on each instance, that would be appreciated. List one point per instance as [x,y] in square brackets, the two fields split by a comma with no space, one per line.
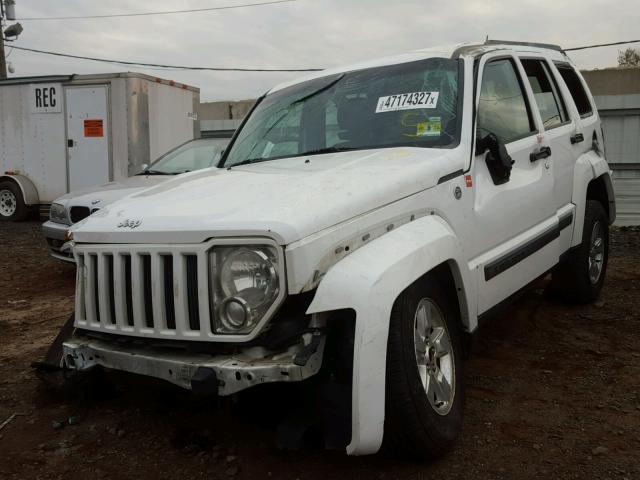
[287,199]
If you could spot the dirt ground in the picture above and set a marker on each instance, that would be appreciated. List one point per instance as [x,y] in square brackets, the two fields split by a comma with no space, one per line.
[553,392]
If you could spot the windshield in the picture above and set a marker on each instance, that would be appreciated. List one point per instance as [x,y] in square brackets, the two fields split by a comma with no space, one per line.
[190,156]
[411,104]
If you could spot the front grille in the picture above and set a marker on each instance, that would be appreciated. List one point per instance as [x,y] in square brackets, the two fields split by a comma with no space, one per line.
[78,213]
[143,292]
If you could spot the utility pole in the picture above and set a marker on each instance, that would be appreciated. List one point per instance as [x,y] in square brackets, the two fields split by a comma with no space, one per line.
[8,12]
[3,60]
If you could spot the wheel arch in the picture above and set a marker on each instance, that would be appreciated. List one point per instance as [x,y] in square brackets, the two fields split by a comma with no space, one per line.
[591,181]
[601,190]
[26,186]
[369,281]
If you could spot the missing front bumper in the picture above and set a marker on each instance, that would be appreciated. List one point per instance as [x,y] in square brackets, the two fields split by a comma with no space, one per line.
[192,371]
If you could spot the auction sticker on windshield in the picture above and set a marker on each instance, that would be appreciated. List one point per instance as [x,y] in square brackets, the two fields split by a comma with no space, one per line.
[407,101]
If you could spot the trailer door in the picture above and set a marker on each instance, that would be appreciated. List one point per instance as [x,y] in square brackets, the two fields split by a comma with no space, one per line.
[87,136]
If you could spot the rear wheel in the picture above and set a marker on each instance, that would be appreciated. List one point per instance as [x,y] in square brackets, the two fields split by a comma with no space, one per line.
[424,396]
[580,277]
[12,206]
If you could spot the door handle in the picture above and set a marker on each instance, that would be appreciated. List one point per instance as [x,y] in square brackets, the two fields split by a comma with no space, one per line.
[577,138]
[544,152]
[69,143]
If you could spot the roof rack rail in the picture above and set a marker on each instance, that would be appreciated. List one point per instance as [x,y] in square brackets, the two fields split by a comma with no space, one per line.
[526,44]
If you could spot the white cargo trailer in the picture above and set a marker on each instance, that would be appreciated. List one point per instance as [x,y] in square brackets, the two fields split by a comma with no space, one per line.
[63,133]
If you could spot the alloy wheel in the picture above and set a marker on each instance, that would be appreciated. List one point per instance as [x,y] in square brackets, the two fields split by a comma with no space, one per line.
[434,356]
[596,253]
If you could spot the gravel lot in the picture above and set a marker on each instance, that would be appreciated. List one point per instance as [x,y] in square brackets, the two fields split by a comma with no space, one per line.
[553,392]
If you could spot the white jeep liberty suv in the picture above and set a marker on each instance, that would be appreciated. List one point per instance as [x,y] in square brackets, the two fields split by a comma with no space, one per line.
[360,224]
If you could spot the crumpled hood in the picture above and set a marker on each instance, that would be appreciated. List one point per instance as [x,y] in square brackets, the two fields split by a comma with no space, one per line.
[100,196]
[287,199]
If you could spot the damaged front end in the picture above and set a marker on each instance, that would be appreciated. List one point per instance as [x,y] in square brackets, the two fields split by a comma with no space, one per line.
[214,318]
[204,373]
[196,315]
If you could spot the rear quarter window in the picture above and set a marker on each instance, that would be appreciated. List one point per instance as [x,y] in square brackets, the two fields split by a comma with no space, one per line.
[576,89]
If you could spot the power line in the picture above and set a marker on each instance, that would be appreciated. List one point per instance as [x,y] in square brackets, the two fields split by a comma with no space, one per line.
[159,65]
[600,45]
[235,69]
[170,12]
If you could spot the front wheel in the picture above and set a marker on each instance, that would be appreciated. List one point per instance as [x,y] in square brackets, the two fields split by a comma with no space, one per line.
[424,394]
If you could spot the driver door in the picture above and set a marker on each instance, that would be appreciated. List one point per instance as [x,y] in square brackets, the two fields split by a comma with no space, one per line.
[516,219]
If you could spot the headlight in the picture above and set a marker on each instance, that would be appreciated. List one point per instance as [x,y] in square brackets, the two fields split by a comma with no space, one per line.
[244,284]
[58,213]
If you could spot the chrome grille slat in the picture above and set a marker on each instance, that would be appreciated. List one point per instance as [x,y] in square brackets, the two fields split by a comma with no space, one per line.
[118,286]
[103,291]
[179,298]
[80,288]
[157,292]
[89,291]
[203,293]
[137,296]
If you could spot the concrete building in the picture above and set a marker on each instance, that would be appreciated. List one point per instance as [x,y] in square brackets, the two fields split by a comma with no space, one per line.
[220,119]
[617,95]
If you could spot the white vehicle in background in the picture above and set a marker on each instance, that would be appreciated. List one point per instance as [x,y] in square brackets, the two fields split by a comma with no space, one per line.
[362,223]
[76,206]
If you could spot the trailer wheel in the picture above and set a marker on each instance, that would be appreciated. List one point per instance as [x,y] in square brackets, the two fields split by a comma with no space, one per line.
[12,206]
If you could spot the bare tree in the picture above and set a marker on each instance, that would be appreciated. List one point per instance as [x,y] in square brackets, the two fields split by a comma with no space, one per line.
[629,58]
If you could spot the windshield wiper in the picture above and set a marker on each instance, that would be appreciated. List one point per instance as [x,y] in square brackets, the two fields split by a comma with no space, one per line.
[333,149]
[249,161]
[154,172]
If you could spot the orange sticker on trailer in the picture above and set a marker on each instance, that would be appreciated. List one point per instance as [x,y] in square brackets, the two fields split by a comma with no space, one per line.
[93,128]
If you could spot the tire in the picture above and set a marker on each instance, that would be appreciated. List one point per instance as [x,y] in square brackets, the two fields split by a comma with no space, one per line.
[12,206]
[415,427]
[576,280]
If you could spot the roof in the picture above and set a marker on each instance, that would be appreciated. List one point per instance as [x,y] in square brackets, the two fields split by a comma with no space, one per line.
[73,78]
[471,49]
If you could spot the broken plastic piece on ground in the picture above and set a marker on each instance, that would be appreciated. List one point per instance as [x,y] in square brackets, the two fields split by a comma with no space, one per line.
[10,419]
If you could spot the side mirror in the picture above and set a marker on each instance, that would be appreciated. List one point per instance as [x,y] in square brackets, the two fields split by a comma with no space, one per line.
[499,162]
[144,166]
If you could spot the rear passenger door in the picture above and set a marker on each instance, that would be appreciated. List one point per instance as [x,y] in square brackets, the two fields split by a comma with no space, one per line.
[516,221]
[557,133]
[582,106]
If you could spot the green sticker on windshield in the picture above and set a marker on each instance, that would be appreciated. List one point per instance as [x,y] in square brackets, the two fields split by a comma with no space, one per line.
[430,128]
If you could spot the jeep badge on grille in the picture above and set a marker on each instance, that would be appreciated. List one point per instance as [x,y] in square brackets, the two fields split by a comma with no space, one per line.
[128,223]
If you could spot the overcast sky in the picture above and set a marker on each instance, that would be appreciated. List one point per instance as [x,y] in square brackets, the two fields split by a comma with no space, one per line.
[301,34]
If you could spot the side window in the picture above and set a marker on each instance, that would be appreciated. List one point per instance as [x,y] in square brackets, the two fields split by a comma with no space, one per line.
[546,93]
[503,108]
[576,89]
